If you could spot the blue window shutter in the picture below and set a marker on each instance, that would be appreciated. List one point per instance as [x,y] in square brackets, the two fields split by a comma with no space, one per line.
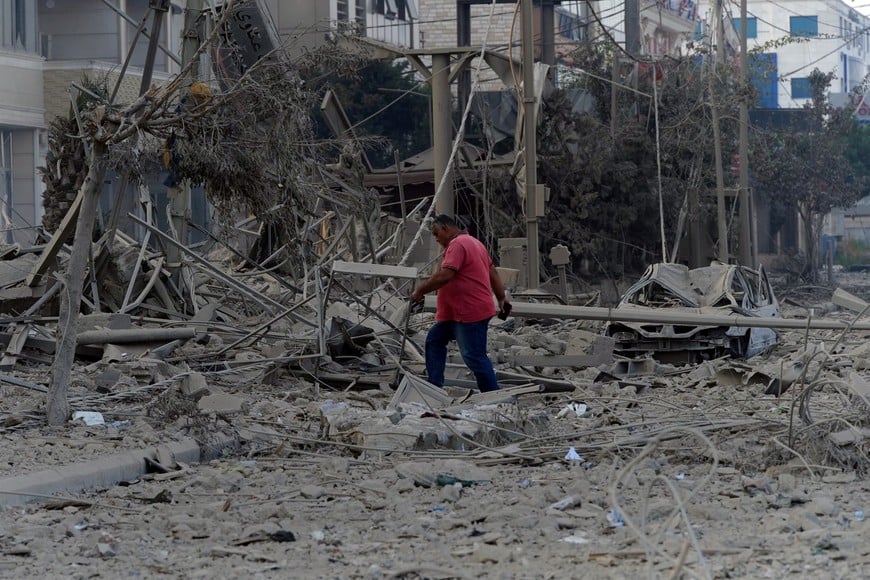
[751,27]
[800,88]
[764,74]
[804,25]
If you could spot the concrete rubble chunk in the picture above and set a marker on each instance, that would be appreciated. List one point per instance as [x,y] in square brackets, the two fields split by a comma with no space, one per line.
[222,404]
[194,386]
[417,427]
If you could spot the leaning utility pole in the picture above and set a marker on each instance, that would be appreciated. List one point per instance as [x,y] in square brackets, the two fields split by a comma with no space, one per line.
[748,245]
[530,149]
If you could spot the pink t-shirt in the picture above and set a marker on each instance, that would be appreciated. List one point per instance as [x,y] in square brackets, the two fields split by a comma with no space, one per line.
[468,295]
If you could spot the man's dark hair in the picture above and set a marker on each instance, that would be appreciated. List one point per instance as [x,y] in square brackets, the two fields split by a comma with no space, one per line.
[445,220]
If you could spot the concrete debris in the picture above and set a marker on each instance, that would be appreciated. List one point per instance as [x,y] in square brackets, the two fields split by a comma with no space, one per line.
[295,380]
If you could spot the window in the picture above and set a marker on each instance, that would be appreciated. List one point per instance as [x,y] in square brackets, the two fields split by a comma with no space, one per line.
[699,30]
[751,27]
[570,27]
[397,9]
[342,11]
[804,25]
[800,88]
[360,16]
[18,24]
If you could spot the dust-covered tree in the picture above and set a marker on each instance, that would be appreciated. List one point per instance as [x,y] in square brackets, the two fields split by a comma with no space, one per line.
[808,170]
[601,161]
[248,140]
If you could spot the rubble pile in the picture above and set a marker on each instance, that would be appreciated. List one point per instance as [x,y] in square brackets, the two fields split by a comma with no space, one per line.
[318,438]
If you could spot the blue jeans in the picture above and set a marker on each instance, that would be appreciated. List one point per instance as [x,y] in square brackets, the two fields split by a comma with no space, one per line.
[471,338]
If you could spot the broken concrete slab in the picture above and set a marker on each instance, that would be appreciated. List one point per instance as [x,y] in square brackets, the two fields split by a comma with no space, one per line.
[414,427]
[100,473]
[194,386]
[222,404]
[601,354]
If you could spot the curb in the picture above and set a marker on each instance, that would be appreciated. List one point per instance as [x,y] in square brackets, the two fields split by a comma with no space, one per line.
[103,472]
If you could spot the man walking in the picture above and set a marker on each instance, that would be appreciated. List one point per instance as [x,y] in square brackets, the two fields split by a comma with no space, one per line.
[466,283]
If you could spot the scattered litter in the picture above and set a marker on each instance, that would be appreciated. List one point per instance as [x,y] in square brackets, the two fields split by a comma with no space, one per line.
[680,476]
[575,539]
[565,503]
[614,516]
[90,418]
[579,409]
[859,515]
[572,455]
[330,405]
[318,536]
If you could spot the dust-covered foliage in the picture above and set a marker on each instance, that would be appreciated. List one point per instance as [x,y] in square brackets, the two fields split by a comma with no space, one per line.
[807,169]
[252,145]
[249,141]
[601,164]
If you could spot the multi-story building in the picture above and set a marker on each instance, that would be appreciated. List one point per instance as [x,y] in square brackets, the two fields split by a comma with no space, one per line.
[787,39]
[500,28]
[663,26]
[306,23]
[21,116]
[45,47]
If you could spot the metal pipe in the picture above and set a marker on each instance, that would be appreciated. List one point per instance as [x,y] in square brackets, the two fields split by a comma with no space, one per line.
[663,316]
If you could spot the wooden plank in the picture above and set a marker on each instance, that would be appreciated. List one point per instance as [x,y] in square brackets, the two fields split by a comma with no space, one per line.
[47,258]
[366,269]
[15,346]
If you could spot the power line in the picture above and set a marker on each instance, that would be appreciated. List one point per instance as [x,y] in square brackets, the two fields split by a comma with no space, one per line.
[827,54]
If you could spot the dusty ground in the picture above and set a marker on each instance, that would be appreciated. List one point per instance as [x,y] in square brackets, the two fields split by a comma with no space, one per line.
[687,474]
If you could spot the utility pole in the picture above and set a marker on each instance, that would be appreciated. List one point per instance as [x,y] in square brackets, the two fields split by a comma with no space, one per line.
[748,245]
[179,195]
[160,8]
[548,38]
[717,140]
[632,27]
[442,131]
[530,148]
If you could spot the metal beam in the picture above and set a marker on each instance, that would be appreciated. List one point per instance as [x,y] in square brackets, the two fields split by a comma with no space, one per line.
[124,15]
[663,316]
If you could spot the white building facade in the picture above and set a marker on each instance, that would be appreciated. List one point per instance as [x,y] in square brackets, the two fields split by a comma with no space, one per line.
[791,38]
[45,46]
[21,117]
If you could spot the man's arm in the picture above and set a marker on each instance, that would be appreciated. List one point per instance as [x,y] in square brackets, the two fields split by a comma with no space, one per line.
[497,287]
[438,279]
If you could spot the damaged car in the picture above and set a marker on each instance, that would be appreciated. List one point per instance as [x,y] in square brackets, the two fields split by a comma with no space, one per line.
[717,289]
